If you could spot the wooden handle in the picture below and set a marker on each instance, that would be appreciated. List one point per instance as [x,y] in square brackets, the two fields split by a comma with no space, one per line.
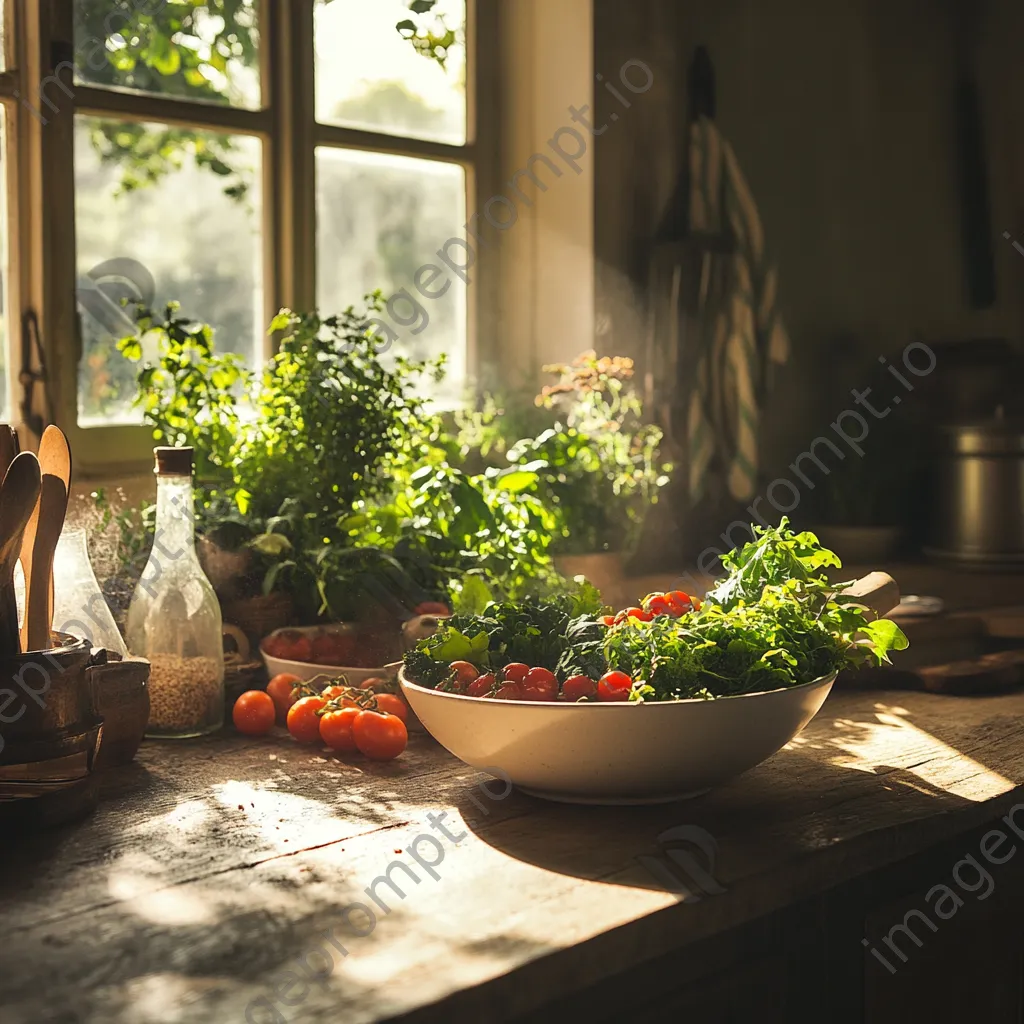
[241,640]
[877,591]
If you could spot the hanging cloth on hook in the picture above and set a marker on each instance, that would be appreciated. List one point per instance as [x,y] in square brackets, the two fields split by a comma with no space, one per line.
[740,333]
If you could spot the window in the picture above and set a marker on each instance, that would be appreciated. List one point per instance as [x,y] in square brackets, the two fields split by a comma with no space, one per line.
[236,156]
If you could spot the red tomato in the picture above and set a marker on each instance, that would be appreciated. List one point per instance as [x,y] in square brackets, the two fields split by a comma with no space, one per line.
[658,605]
[681,596]
[303,722]
[696,603]
[299,650]
[639,614]
[579,686]
[510,691]
[336,728]
[254,713]
[336,649]
[431,608]
[481,686]
[282,692]
[609,620]
[379,737]
[465,672]
[676,607]
[614,686]
[514,672]
[277,645]
[392,704]
[540,684]
[374,683]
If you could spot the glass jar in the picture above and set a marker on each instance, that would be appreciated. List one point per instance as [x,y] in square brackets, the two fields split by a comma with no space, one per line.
[79,607]
[174,619]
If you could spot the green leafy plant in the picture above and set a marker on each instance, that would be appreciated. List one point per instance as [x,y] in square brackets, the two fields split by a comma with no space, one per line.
[598,463]
[775,622]
[330,469]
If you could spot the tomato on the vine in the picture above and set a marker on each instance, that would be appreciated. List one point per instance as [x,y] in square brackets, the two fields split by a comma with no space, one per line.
[254,713]
[577,687]
[657,605]
[614,685]
[540,684]
[609,620]
[380,737]
[392,704]
[282,691]
[303,720]
[336,728]
[481,686]
[333,692]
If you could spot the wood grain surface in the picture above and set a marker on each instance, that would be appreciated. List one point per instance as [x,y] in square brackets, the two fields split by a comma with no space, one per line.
[215,869]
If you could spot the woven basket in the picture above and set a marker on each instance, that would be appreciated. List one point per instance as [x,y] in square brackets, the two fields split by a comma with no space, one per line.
[258,616]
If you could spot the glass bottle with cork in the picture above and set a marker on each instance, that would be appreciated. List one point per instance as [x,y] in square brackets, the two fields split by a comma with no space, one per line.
[174,619]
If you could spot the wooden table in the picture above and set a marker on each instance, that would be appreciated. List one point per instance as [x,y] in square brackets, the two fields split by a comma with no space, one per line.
[214,869]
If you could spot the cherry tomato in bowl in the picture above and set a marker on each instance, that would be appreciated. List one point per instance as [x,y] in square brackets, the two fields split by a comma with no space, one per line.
[540,684]
[614,686]
[577,687]
[481,686]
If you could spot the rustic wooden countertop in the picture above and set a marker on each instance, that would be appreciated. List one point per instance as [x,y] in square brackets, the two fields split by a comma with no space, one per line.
[213,869]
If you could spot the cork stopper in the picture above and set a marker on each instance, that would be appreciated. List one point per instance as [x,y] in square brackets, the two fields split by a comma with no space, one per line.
[173,461]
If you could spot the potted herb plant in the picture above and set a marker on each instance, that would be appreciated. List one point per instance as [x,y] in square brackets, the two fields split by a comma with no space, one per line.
[597,461]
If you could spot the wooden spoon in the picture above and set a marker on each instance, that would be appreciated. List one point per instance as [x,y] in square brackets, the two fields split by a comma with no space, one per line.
[877,591]
[19,495]
[41,538]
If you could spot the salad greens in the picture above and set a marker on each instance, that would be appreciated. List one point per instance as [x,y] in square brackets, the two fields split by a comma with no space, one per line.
[774,621]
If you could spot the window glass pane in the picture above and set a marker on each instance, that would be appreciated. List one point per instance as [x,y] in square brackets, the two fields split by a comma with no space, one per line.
[380,219]
[368,75]
[192,50]
[158,219]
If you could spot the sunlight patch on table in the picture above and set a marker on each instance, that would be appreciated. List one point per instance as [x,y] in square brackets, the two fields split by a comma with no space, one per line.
[891,741]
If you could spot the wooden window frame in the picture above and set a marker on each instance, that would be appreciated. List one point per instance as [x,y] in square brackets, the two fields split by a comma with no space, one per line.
[41,187]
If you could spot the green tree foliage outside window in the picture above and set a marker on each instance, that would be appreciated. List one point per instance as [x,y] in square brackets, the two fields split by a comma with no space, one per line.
[189,49]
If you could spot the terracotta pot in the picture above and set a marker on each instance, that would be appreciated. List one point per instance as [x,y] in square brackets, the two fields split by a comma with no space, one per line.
[604,569]
[224,569]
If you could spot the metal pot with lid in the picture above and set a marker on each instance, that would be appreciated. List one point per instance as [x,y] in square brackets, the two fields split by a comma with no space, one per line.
[978,494]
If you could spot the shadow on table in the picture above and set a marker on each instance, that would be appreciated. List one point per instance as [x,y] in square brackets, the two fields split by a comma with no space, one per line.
[829,788]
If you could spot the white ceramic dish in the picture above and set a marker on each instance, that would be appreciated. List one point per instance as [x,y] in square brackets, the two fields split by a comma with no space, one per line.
[617,753]
[307,670]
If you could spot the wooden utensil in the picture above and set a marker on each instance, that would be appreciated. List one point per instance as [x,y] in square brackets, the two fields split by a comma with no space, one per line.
[19,495]
[877,591]
[41,538]
[9,447]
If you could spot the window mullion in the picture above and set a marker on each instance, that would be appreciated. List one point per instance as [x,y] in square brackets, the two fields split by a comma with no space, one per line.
[291,174]
[47,249]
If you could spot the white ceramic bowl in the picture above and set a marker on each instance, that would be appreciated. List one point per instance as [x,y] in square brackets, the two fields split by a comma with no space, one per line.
[617,753]
[307,670]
